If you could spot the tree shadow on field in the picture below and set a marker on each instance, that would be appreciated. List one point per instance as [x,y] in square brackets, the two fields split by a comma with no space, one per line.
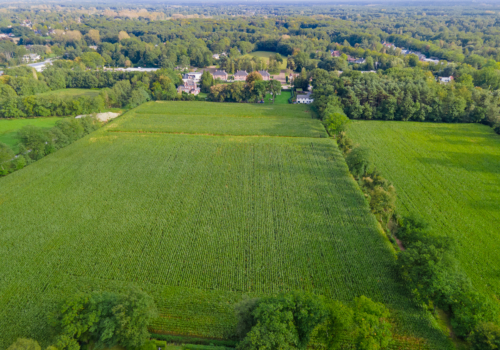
[464,134]
[480,162]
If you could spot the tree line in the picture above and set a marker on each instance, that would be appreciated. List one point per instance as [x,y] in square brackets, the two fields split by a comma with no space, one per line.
[254,89]
[406,94]
[105,319]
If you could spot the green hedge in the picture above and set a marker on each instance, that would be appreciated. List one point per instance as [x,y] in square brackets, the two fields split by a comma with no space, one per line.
[192,340]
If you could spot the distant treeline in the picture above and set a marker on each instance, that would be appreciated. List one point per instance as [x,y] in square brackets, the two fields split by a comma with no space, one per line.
[20,87]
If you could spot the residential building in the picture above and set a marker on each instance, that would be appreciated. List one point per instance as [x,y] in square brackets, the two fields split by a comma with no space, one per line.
[360,61]
[216,56]
[196,76]
[32,57]
[93,47]
[189,87]
[335,53]
[432,60]
[305,97]
[219,74]
[351,59]
[240,75]
[445,80]
[265,75]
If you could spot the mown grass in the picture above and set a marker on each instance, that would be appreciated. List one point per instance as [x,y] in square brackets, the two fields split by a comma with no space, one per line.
[280,99]
[450,174]
[222,119]
[10,127]
[196,221]
[71,92]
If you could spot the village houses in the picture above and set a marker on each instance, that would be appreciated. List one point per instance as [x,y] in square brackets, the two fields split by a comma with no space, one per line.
[240,75]
[265,75]
[220,74]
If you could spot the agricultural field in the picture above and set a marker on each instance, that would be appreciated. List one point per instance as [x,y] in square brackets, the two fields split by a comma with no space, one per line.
[450,174]
[9,128]
[197,221]
[238,119]
[72,92]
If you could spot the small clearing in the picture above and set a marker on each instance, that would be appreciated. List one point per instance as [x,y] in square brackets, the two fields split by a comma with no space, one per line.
[103,117]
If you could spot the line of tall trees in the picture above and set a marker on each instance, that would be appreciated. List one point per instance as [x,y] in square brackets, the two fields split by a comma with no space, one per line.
[406,94]
[254,89]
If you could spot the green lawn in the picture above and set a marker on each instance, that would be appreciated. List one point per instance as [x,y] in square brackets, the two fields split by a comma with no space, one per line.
[280,99]
[266,54]
[72,92]
[450,174]
[9,128]
[197,221]
[223,119]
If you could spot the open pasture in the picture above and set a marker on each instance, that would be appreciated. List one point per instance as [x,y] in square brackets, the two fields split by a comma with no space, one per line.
[71,92]
[9,128]
[450,174]
[198,222]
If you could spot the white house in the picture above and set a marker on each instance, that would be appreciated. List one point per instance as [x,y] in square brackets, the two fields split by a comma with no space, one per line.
[216,56]
[32,57]
[445,80]
[431,60]
[196,76]
[305,97]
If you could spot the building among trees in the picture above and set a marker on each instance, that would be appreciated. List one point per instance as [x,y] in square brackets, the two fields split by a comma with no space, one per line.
[189,87]
[265,75]
[240,75]
[220,74]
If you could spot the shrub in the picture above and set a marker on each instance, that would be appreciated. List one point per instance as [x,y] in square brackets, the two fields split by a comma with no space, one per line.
[486,336]
[25,344]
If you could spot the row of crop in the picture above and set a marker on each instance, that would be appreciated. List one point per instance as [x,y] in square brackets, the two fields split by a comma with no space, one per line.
[216,216]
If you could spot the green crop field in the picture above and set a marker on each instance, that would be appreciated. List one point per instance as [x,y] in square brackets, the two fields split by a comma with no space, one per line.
[9,128]
[197,221]
[450,174]
[72,92]
[223,119]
